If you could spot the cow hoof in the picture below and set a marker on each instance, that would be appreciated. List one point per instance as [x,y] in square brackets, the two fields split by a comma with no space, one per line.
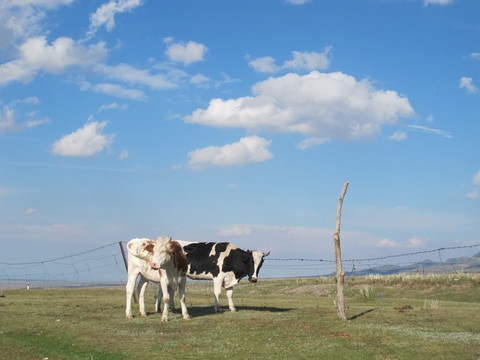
[233,310]
[187,317]
[164,319]
[144,315]
[129,317]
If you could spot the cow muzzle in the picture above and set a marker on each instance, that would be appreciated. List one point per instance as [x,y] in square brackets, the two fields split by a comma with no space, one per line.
[154,266]
[253,279]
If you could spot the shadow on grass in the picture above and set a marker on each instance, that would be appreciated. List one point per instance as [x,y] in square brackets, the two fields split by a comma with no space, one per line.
[198,311]
[362,313]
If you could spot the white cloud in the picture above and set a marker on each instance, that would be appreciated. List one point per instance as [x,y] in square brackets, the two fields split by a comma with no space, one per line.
[16,70]
[200,80]
[86,141]
[133,76]
[415,242]
[185,53]
[467,84]
[235,231]
[248,150]
[30,211]
[31,100]
[431,130]
[123,155]
[476,179]
[300,61]
[112,106]
[475,56]
[386,243]
[333,105]
[7,119]
[63,53]
[22,19]
[309,60]
[313,141]
[437,2]
[105,14]
[35,123]
[472,195]
[119,91]
[398,136]
[35,54]
[264,64]
[297,2]
[8,116]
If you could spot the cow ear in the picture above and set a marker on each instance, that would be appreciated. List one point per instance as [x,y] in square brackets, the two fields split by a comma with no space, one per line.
[266,254]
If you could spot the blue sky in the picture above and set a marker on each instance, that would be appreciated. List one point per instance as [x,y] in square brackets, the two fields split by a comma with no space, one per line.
[239,121]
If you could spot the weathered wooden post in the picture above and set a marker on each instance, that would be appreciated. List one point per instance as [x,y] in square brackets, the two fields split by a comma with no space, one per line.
[340,302]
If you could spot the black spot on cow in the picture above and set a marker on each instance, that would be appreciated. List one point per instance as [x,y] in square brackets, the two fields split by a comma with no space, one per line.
[200,260]
[240,262]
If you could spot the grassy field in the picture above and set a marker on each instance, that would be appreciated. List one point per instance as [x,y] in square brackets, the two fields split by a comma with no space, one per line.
[389,318]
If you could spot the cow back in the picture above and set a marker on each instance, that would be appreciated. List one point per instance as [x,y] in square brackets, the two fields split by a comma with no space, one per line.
[205,258]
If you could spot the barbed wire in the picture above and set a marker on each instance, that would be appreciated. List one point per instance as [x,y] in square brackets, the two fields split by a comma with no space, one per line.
[60,258]
[300,259]
[379,257]
[85,266]
[268,258]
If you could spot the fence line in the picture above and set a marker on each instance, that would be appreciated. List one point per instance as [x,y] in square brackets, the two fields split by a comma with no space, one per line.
[61,258]
[269,258]
[381,257]
[102,264]
[105,263]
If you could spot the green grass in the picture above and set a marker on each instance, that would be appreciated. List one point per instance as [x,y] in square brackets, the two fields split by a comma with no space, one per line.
[276,319]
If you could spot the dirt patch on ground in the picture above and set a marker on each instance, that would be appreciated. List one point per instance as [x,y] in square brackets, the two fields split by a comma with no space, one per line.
[312,290]
[403,308]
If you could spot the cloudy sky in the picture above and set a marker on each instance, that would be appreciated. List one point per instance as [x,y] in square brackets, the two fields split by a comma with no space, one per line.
[239,121]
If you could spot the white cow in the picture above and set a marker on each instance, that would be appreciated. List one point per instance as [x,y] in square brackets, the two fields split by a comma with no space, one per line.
[162,261]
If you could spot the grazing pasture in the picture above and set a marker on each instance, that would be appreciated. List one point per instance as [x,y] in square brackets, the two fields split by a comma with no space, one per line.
[389,318]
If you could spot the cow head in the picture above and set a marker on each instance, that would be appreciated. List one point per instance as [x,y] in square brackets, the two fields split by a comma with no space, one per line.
[257,260]
[160,252]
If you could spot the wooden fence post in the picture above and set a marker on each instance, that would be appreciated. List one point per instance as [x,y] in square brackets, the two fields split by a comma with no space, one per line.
[340,302]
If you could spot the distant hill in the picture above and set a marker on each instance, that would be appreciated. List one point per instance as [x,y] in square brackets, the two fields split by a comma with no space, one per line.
[468,264]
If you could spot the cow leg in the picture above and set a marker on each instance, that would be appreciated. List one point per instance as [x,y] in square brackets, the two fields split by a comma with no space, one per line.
[132,277]
[166,296]
[229,292]
[217,291]
[158,302]
[171,292]
[159,299]
[181,295]
[141,287]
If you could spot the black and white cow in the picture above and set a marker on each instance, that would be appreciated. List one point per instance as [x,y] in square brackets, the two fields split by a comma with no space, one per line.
[222,262]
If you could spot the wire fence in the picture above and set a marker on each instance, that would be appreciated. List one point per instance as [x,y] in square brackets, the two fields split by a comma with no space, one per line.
[100,266]
[445,259]
[104,266]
